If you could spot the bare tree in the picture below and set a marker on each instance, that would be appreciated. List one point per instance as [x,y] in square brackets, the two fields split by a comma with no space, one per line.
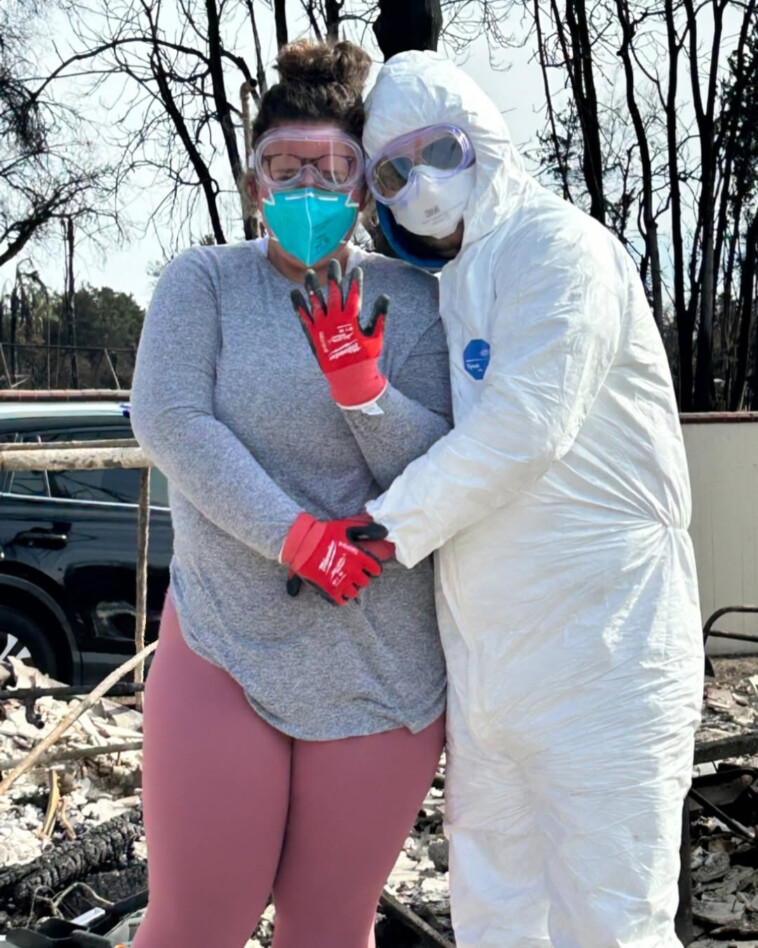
[43,178]
[737,229]
[641,156]
[647,202]
[181,62]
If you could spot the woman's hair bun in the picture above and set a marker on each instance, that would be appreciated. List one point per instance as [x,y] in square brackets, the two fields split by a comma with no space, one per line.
[319,82]
[304,63]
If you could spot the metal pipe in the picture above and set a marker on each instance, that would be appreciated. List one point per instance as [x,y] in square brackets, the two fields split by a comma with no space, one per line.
[67,692]
[143,537]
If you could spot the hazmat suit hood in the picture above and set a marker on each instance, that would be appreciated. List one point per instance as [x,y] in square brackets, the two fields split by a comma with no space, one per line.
[416,89]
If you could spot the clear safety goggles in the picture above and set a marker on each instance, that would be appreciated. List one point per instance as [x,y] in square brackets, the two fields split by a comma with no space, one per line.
[291,156]
[443,149]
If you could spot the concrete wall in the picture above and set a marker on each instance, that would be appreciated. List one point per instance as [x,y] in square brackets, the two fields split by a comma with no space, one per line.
[723,458]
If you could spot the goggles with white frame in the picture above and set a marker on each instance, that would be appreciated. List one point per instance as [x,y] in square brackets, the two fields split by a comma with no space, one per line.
[329,158]
[443,150]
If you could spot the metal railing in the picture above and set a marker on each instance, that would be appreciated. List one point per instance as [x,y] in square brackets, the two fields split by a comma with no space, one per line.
[88,455]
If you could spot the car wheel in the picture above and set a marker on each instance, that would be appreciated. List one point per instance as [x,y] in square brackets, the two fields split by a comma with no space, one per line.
[23,638]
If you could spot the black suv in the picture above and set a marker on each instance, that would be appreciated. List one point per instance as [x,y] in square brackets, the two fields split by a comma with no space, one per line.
[68,547]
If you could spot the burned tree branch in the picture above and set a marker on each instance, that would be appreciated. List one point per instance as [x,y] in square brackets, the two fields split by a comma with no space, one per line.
[207,182]
[223,112]
[280,21]
[650,229]
[71,860]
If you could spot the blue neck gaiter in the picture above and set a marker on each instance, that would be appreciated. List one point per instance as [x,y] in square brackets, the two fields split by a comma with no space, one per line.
[395,238]
[309,223]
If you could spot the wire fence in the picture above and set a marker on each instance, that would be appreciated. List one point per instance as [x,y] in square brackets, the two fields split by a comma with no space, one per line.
[42,366]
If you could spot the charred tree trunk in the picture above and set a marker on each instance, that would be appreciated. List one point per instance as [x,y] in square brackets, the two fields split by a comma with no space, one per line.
[684,322]
[705,114]
[260,70]
[735,149]
[333,17]
[69,300]
[280,21]
[563,170]
[107,845]
[650,225]
[729,329]
[208,185]
[747,306]
[592,164]
[577,61]
[221,102]
[704,363]
[407,24]
[14,307]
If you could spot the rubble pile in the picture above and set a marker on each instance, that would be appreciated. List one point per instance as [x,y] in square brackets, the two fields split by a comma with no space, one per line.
[420,877]
[724,814]
[71,834]
[72,821]
[730,708]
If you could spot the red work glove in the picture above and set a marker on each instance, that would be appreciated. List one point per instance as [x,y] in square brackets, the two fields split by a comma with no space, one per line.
[370,536]
[347,353]
[366,534]
[319,552]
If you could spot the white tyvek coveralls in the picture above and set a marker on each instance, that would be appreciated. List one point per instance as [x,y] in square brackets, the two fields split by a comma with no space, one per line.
[566,581]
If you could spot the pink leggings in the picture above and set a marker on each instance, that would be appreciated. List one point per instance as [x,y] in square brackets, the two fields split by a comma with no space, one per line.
[235,809]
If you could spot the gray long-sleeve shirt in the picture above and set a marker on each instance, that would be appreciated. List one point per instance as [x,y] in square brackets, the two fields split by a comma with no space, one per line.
[229,402]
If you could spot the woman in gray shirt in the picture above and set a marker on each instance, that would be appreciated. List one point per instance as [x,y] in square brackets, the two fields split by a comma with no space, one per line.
[288,743]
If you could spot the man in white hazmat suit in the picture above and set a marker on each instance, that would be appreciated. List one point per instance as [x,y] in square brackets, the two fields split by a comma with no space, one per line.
[559,507]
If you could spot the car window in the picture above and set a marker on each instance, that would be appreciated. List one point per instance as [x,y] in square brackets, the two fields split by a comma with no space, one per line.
[158,488]
[107,485]
[104,485]
[28,484]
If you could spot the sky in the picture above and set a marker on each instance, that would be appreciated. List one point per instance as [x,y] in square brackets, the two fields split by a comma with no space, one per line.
[517,91]
[514,83]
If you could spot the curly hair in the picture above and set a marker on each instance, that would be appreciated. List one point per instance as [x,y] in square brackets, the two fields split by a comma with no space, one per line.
[317,82]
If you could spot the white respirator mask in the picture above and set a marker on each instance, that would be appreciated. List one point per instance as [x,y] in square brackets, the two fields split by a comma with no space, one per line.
[432,205]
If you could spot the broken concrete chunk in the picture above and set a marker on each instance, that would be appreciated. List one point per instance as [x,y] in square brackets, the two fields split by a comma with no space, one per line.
[439,853]
[715,866]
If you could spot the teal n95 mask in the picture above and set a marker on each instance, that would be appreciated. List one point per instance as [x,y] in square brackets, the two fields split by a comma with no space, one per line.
[309,223]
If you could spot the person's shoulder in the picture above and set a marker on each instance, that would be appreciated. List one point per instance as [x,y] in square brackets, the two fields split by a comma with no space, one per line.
[395,269]
[219,258]
[206,271]
[413,294]
[556,244]
[401,281]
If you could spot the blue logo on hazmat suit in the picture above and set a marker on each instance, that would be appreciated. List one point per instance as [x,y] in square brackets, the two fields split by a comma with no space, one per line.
[476,358]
